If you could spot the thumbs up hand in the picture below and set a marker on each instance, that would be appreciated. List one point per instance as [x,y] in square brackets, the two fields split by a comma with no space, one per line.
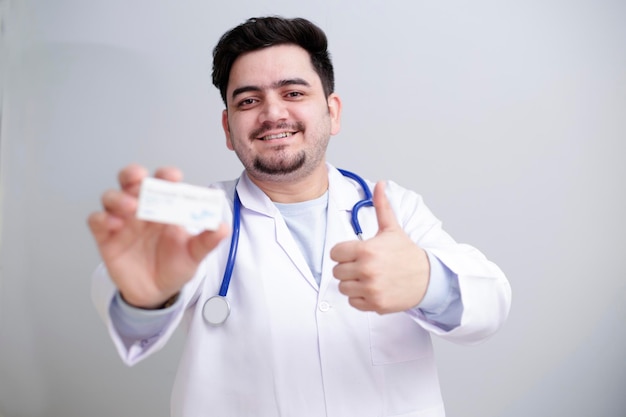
[387,273]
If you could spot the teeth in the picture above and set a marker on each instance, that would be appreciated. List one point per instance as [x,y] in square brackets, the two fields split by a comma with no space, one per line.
[277,136]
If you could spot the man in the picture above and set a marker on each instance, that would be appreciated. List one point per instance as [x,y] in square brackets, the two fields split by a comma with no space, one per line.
[322,323]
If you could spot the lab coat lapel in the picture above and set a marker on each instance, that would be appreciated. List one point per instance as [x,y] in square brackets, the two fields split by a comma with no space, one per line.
[253,198]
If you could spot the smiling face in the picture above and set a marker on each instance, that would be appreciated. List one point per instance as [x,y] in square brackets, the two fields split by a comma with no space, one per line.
[278,119]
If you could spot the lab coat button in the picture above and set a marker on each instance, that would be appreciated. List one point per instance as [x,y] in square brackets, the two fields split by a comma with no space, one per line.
[324,306]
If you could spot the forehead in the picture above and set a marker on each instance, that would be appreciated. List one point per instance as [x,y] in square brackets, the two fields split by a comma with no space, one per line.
[267,66]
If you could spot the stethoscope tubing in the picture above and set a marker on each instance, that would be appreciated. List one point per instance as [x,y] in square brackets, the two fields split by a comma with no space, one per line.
[234,243]
[367,201]
[219,302]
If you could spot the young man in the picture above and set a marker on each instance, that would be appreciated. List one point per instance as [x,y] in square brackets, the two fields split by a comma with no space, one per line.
[322,323]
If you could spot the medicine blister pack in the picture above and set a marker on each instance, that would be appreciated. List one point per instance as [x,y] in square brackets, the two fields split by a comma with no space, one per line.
[180,204]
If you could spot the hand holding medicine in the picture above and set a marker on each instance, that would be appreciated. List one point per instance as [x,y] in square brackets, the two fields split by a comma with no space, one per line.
[149,262]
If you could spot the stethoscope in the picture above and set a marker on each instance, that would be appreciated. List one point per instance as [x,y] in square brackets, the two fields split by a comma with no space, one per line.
[217,309]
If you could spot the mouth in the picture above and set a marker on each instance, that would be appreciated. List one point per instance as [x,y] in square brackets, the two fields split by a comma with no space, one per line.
[275,136]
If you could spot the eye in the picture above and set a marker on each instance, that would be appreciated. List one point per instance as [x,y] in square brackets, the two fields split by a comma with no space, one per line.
[294,94]
[246,102]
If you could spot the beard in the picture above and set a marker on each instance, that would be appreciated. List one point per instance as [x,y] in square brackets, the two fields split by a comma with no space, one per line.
[279,165]
[283,164]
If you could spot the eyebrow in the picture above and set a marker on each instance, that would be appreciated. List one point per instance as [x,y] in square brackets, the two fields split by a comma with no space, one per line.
[273,86]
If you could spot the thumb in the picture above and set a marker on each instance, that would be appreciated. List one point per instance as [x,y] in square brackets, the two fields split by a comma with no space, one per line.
[201,244]
[384,213]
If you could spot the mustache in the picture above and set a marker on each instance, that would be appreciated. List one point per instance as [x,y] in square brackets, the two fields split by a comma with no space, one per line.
[266,127]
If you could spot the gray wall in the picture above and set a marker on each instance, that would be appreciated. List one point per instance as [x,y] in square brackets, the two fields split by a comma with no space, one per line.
[508,117]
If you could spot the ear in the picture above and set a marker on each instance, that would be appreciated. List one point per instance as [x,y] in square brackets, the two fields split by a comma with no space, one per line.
[226,128]
[334,109]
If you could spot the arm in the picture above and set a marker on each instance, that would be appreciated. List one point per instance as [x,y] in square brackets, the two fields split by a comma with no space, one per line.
[391,272]
[144,262]
[441,305]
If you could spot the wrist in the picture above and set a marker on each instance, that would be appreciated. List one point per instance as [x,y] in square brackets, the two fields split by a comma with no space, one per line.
[151,306]
[170,301]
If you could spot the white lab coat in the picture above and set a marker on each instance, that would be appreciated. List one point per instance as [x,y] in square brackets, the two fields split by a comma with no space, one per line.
[290,349]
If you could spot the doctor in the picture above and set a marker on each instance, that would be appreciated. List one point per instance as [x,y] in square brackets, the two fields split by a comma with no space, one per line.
[321,323]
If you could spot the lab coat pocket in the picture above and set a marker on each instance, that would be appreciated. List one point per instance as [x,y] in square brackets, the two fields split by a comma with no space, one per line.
[397,338]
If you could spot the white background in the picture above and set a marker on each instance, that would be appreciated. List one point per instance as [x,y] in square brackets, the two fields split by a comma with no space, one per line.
[508,117]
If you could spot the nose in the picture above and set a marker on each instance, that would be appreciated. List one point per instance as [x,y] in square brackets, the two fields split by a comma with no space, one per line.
[274,109]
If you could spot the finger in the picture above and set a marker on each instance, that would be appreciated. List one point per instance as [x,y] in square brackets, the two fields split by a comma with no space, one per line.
[351,288]
[102,225]
[365,302]
[130,178]
[360,303]
[345,251]
[119,203]
[169,174]
[346,271]
[201,244]
[384,213]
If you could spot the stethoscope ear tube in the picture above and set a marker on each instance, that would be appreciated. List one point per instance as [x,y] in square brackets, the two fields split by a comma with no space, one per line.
[367,201]
[355,216]
[361,181]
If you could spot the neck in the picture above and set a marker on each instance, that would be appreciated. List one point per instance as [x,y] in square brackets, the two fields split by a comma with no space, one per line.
[306,188]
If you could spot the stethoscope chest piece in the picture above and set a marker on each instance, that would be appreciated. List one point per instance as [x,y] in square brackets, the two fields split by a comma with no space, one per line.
[216,310]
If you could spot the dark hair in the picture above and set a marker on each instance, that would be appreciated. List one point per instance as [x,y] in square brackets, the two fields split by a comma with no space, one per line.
[262,32]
